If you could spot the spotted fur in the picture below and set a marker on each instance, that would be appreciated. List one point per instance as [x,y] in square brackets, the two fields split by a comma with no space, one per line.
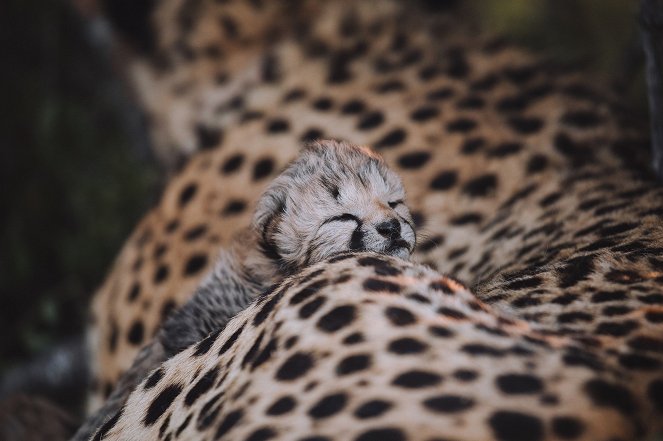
[301,219]
[525,181]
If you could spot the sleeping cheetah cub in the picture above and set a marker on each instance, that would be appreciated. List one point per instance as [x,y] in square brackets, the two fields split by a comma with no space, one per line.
[334,197]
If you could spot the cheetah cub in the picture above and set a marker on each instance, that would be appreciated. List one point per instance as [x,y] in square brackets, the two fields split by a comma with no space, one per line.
[334,197]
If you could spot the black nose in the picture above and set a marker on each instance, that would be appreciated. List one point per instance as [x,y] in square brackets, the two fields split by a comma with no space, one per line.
[391,229]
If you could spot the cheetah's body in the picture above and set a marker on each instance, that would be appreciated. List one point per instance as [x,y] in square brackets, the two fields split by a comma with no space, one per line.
[520,178]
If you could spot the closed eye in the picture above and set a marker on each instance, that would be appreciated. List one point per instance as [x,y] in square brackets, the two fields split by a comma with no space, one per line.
[394,204]
[342,218]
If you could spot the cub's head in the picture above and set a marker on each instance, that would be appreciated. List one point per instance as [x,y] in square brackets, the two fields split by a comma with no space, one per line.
[334,197]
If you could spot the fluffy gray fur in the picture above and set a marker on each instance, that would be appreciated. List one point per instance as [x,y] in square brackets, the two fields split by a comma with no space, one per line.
[333,198]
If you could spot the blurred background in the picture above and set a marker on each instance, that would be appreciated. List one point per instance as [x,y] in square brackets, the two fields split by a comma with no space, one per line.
[76,172]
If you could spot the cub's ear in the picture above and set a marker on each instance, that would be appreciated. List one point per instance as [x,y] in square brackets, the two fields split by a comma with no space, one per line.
[271,204]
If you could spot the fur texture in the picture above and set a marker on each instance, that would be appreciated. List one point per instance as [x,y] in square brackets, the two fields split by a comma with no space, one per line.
[334,197]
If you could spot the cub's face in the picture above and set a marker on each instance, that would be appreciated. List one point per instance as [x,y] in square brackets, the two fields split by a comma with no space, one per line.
[335,197]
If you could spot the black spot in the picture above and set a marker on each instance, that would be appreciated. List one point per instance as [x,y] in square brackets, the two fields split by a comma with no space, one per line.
[153,379]
[261,434]
[567,427]
[424,113]
[400,316]
[581,119]
[339,71]
[481,186]
[370,121]
[323,104]
[617,329]
[449,403]
[311,135]
[353,107]
[643,343]
[295,366]
[308,291]
[278,125]
[372,284]
[208,137]
[440,94]
[353,339]
[195,232]
[229,26]
[414,160]
[577,153]
[465,375]
[389,86]
[294,95]
[372,409]
[391,139]
[161,403]
[204,345]
[519,384]
[467,219]
[134,292]
[382,267]
[462,125]
[172,226]
[427,73]
[478,349]
[451,313]
[187,194]
[444,180]
[228,423]
[407,345]
[311,307]
[608,296]
[203,385]
[525,126]
[639,362]
[136,333]
[515,103]
[108,425]
[654,316]
[353,363]
[231,341]
[536,164]
[233,207]
[337,318]
[382,434]
[471,102]
[267,308]
[262,168]
[515,426]
[574,317]
[416,379]
[328,406]
[439,331]
[505,149]
[233,164]
[575,270]
[281,406]
[606,394]
[195,264]
[265,354]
